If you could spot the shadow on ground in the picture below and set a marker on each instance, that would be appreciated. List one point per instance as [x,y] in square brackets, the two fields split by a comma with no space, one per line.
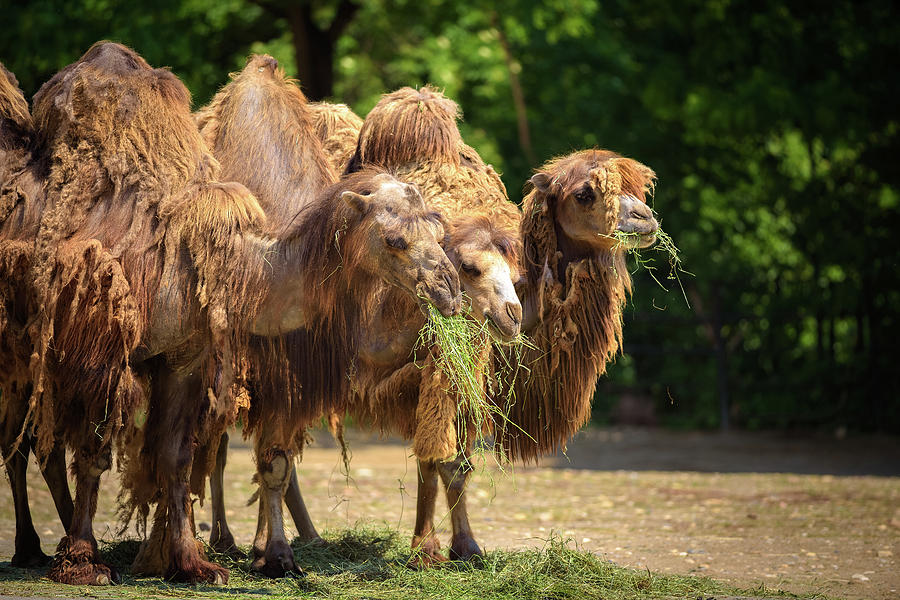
[633,449]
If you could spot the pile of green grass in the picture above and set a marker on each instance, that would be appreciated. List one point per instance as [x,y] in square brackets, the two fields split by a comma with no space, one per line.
[457,344]
[370,562]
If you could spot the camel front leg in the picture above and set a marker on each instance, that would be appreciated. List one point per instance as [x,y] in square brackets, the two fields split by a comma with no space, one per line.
[274,466]
[425,545]
[297,507]
[28,554]
[455,475]
[220,538]
[54,472]
[77,560]
[172,551]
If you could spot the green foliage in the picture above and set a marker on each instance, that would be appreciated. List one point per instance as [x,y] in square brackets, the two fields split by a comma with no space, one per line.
[773,128]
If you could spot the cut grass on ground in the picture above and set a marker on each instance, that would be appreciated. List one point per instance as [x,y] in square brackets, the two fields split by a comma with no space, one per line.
[370,562]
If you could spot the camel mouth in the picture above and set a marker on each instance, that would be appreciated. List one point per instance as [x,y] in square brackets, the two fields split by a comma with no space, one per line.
[441,299]
[636,235]
[505,330]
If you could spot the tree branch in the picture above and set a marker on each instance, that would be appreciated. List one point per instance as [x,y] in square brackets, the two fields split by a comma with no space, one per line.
[517,93]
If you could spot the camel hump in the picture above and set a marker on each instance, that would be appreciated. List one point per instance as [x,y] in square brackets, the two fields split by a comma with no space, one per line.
[262,63]
[15,119]
[411,126]
[113,57]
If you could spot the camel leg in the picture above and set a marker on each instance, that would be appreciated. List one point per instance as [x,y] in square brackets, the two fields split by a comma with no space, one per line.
[28,552]
[54,472]
[77,559]
[274,469]
[455,474]
[297,507]
[175,458]
[425,545]
[220,538]
[260,538]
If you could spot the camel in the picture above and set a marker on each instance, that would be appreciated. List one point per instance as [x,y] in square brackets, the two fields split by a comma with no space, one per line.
[147,269]
[337,128]
[19,176]
[415,133]
[576,285]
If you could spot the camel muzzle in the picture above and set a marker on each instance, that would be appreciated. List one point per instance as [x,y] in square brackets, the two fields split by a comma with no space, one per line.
[637,220]
[442,291]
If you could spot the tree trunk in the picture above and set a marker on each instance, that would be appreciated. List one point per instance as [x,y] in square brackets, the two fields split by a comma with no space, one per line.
[313,52]
[313,45]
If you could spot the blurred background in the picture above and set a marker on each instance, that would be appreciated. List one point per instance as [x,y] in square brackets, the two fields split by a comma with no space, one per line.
[774,128]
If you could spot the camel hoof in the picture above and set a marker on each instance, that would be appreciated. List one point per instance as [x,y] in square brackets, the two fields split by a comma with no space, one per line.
[425,554]
[277,562]
[225,545]
[77,563]
[465,549]
[200,571]
[32,559]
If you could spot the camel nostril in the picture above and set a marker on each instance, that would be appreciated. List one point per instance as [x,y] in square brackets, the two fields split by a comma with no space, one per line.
[514,310]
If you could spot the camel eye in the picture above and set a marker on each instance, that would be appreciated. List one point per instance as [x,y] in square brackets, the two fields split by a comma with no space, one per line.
[584,196]
[396,242]
[470,270]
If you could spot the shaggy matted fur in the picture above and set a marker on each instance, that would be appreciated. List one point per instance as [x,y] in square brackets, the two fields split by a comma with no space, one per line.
[140,252]
[337,127]
[20,193]
[578,302]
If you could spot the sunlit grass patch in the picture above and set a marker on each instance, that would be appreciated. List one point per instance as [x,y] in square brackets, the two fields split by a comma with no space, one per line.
[370,562]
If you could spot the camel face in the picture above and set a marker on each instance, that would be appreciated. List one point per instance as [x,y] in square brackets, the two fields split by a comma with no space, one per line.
[597,200]
[403,244]
[487,272]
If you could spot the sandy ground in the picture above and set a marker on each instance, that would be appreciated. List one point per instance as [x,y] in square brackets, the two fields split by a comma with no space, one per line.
[801,514]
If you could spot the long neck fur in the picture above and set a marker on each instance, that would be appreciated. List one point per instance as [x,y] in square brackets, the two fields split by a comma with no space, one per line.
[578,300]
[304,374]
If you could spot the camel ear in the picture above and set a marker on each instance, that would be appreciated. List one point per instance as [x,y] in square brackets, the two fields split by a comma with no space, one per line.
[541,182]
[357,201]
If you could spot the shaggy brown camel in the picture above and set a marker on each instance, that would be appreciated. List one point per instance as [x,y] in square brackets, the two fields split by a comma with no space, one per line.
[275,128]
[149,269]
[19,176]
[425,148]
[576,285]
[337,128]
[415,131]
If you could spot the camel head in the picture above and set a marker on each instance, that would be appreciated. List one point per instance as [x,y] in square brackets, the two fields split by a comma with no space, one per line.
[487,260]
[402,240]
[597,196]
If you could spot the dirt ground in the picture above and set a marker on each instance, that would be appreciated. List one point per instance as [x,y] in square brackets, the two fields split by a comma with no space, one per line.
[795,513]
